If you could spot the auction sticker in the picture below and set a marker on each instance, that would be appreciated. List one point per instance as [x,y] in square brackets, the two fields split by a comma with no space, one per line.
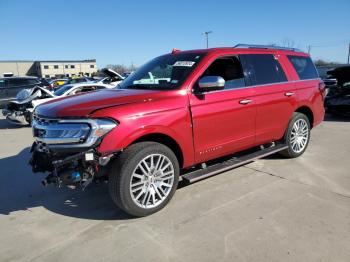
[184,63]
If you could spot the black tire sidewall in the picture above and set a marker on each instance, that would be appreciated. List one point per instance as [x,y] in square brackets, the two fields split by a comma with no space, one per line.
[126,166]
[290,152]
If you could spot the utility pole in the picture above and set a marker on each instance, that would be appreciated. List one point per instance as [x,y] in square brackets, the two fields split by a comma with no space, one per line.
[308,49]
[349,54]
[206,33]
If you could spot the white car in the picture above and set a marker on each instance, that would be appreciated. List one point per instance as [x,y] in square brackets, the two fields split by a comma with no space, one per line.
[19,111]
[113,78]
[71,89]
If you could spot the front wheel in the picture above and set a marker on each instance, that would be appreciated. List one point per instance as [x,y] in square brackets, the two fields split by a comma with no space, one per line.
[144,178]
[29,118]
[297,136]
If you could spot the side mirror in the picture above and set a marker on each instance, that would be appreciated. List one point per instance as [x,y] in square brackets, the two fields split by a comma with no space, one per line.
[211,83]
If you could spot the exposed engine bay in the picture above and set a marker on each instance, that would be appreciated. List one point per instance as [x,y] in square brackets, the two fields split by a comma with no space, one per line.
[66,149]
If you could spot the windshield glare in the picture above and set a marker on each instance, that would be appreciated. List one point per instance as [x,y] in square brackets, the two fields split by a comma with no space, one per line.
[164,72]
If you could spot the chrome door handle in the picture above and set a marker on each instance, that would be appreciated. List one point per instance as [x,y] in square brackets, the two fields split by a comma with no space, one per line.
[289,94]
[245,101]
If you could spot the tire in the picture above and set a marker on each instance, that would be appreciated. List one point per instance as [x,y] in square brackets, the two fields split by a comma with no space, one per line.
[296,139]
[29,118]
[133,171]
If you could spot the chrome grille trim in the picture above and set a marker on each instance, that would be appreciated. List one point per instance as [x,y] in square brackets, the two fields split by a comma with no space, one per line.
[42,124]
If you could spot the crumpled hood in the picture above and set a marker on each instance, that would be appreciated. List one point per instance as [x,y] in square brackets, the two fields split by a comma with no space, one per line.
[84,104]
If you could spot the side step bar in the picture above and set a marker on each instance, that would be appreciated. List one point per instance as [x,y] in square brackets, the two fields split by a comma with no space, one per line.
[215,169]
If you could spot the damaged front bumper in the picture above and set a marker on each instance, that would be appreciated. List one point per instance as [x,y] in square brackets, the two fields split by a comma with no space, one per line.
[16,117]
[67,150]
[76,170]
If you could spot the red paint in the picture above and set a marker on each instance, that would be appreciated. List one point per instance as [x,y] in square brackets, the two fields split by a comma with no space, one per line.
[204,126]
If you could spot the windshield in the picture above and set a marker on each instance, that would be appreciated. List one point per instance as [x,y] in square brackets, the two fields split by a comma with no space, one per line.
[60,91]
[164,72]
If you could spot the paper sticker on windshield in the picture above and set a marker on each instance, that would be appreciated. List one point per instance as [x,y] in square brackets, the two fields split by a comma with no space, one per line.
[184,63]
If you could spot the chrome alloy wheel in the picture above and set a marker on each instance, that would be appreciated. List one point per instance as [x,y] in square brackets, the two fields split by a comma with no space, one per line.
[152,181]
[299,135]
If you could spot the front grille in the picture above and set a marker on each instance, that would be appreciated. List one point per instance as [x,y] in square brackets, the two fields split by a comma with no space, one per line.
[55,131]
[44,121]
[70,133]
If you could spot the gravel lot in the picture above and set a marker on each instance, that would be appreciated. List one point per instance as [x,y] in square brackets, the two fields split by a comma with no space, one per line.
[271,210]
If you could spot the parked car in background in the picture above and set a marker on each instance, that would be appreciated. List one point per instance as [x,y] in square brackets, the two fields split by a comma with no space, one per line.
[19,111]
[328,80]
[112,78]
[126,74]
[338,97]
[197,107]
[10,86]
[75,80]
[44,82]
[55,83]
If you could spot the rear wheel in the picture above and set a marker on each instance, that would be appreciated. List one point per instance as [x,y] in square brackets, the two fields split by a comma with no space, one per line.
[144,178]
[297,136]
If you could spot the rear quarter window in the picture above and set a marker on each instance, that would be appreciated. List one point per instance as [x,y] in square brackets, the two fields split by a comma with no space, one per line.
[262,69]
[304,67]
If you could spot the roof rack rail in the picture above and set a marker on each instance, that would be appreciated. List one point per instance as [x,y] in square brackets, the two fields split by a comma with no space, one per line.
[267,47]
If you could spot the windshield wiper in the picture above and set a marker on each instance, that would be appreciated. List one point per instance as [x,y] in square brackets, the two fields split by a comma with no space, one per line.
[138,86]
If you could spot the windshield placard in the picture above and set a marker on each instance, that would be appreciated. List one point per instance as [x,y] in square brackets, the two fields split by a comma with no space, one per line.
[184,63]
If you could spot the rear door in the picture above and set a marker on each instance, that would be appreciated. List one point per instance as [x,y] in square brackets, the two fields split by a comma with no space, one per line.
[274,95]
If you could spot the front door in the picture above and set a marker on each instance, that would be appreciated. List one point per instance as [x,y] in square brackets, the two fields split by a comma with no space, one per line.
[224,120]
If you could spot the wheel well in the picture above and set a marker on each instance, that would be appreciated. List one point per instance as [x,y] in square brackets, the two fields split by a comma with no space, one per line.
[165,140]
[308,112]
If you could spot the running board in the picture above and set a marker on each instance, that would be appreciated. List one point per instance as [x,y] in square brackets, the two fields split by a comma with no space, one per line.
[215,169]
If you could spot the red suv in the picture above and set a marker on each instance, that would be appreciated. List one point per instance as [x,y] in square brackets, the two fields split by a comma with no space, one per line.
[186,115]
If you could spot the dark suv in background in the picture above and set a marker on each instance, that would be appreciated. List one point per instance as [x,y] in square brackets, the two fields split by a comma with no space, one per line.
[10,86]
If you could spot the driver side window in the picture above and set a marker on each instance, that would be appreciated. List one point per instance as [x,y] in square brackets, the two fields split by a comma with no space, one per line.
[230,69]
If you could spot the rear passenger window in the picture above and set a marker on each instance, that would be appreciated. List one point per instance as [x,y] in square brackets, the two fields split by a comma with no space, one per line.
[262,69]
[304,67]
[14,82]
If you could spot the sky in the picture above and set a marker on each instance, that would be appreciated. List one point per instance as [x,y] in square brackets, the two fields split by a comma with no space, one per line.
[133,32]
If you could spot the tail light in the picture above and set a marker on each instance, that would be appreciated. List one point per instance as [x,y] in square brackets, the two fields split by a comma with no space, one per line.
[322,88]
